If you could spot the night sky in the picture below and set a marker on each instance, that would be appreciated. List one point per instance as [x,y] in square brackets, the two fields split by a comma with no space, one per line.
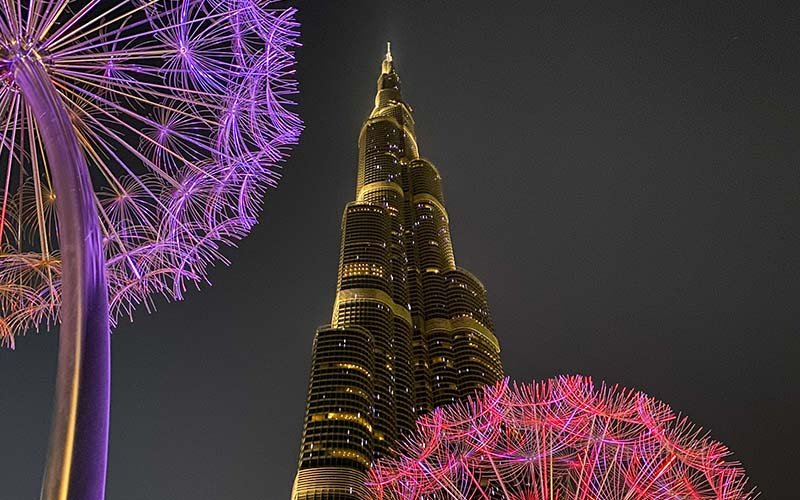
[624,181]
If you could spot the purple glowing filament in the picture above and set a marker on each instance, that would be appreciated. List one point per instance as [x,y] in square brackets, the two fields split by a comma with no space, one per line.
[181,109]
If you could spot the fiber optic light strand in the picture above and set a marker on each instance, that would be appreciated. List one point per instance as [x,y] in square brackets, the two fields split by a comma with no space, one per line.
[564,439]
[182,110]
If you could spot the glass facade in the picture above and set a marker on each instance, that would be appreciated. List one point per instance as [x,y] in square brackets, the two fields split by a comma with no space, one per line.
[410,330]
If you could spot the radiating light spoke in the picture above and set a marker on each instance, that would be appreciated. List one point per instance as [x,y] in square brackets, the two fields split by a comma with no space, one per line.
[562,439]
[180,108]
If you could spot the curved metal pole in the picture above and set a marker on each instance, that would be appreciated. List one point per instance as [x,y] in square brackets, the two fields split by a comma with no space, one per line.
[76,463]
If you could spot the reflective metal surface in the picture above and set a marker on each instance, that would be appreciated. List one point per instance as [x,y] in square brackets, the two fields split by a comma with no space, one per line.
[76,465]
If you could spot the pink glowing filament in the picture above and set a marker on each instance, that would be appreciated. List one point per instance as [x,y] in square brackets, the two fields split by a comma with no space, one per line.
[564,438]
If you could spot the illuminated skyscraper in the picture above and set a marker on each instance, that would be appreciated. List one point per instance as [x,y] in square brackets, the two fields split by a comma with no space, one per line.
[410,330]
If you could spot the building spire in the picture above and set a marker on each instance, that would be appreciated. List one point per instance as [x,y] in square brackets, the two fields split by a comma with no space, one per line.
[387,66]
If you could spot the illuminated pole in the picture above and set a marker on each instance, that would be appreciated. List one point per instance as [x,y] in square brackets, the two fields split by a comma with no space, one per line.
[76,464]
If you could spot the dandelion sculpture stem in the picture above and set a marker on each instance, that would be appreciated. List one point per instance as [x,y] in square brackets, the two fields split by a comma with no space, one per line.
[137,138]
[76,467]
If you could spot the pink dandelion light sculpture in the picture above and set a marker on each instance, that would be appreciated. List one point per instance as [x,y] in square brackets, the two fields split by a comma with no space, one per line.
[562,439]
[137,139]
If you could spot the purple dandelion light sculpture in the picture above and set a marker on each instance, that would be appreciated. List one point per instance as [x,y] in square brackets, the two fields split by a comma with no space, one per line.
[137,139]
[562,439]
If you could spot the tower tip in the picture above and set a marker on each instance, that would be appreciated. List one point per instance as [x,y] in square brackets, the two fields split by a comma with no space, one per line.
[387,66]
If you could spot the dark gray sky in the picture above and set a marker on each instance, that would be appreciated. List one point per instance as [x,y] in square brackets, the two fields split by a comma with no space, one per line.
[624,181]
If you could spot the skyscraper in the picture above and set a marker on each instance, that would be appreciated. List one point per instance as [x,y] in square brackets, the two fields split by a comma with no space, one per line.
[410,330]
